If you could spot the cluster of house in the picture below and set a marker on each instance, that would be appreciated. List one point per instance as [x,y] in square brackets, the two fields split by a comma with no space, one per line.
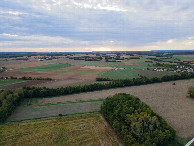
[176,69]
[119,68]
[2,69]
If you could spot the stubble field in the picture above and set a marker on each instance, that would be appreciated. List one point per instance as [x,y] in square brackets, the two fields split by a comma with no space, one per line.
[87,129]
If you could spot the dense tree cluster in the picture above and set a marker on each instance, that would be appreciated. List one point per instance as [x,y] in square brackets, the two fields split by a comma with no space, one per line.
[191,91]
[9,99]
[135,122]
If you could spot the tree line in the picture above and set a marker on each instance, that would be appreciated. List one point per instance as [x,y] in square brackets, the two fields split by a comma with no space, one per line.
[134,121]
[9,99]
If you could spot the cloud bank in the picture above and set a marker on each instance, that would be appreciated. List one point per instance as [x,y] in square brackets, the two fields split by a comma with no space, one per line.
[87,25]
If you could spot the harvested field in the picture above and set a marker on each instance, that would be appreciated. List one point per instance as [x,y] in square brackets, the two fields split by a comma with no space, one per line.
[53,75]
[84,129]
[128,63]
[21,64]
[87,68]
[167,100]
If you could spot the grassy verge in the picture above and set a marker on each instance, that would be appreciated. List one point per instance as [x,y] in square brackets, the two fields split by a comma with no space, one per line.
[180,141]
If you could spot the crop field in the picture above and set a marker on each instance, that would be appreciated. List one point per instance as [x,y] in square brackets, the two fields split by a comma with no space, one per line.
[171,60]
[21,64]
[59,68]
[26,83]
[184,56]
[46,68]
[10,81]
[32,109]
[82,62]
[127,71]
[167,100]
[151,74]
[84,129]
[120,74]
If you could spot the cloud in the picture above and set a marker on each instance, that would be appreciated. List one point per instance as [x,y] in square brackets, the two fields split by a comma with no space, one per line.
[95,23]
[12,12]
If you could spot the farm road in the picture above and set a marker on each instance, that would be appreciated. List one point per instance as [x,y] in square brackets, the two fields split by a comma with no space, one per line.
[167,100]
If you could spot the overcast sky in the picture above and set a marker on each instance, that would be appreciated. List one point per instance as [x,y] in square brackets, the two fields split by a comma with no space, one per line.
[92,25]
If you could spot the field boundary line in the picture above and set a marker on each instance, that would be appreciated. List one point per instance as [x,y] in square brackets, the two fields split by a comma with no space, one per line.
[190,142]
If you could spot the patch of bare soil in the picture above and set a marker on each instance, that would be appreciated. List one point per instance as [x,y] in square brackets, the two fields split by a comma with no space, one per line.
[167,100]
[28,83]
[21,64]
[63,83]
[87,68]
[128,63]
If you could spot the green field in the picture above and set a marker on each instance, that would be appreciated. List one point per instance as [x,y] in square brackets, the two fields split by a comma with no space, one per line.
[56,68]
[183,56]
[81,129]
[130,71]
[171,60]
[10,81]
[151,74]
[46,68]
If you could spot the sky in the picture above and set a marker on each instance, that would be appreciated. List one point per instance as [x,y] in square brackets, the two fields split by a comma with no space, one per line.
[96,25]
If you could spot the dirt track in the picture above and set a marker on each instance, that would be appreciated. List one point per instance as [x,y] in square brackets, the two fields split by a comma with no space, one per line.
[168,100]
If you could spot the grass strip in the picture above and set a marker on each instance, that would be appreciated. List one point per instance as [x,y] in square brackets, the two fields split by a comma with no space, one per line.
[72,102]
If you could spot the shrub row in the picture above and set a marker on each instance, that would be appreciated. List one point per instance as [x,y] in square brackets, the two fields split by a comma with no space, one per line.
[135,122]
[103,79]
[26,78]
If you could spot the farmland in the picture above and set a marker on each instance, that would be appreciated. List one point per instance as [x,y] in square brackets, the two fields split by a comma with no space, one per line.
[8,82]
[168,99]
[151,74]
[66,71]
[86,129]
